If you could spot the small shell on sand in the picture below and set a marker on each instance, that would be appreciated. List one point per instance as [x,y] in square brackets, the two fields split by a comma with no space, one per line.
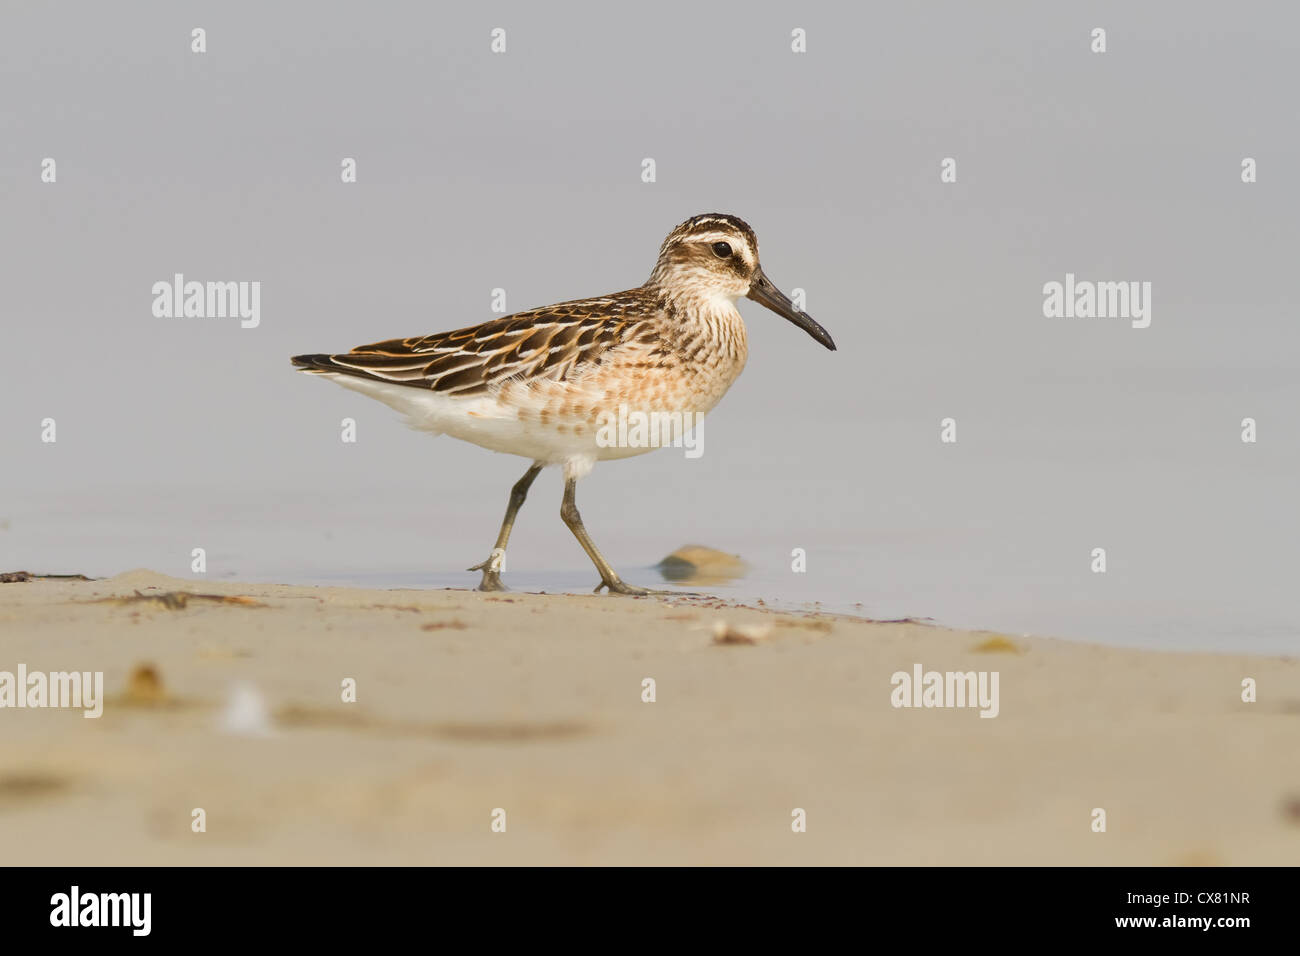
[144,686]
[997,644]
[246,713]
[724,633]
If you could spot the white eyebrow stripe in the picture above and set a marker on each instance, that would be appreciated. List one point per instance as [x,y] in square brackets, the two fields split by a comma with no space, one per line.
[714,237]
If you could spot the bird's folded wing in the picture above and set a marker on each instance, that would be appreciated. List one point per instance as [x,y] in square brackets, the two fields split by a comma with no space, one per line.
[552,343]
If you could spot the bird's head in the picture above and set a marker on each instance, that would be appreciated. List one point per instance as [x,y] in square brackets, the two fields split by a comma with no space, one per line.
[715,256]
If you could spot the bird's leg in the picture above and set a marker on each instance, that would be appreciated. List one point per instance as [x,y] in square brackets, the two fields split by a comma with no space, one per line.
[491,568]
[608,576]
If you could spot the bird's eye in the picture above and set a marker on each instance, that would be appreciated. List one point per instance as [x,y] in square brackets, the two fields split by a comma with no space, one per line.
[722,250]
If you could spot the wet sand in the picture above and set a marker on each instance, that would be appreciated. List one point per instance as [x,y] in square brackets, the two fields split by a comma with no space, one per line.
[468,703]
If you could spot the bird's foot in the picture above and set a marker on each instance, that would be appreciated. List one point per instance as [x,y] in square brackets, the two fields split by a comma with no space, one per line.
[619,586]
[491,575]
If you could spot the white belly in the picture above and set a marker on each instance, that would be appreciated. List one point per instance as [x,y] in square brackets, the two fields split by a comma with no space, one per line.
[491,424]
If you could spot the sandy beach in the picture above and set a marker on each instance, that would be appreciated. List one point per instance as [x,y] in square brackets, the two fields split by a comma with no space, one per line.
[468,704]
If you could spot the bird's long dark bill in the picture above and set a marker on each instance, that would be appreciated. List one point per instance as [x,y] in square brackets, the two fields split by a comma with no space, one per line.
[763,291]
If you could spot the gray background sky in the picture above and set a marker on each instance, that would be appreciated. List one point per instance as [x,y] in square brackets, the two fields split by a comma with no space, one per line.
[522,171]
